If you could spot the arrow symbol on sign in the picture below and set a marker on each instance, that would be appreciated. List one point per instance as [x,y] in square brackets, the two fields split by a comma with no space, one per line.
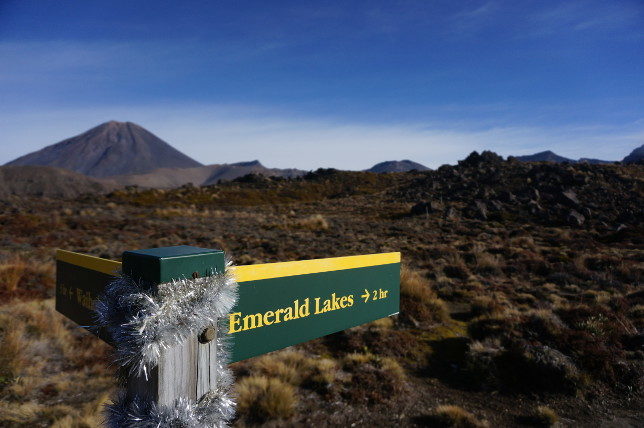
[365,296]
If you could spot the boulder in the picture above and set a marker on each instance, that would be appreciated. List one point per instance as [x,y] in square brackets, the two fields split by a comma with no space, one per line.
[420,208]
[569,197]
[507,196]
[479,210]
[575,218]
[451,213]
[496,205]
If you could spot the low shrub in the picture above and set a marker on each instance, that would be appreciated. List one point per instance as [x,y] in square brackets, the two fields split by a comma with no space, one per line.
[538,368]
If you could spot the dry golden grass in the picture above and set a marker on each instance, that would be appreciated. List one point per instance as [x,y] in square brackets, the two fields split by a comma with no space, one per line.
[492,305]
[413,284]
[356,358]
[488,263]
[526,242]
[11,272]
[313,222]
[387,364]
[545,416]
[43,360]
[418,298]
[12,359]
[263,398]
[170,212]
[393,367]
[32,413]
[295,368]
[456,417]
[382,324]
[20,276]
[488,346]
[285,369]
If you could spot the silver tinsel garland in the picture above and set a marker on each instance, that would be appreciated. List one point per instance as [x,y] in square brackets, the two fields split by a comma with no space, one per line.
[141,324]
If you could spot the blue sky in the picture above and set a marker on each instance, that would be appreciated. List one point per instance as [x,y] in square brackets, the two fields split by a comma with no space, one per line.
[319,84]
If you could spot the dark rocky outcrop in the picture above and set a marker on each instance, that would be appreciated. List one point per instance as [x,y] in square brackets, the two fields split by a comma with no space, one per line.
[487,188]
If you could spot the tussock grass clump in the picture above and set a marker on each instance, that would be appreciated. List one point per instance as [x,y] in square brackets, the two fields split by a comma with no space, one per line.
[12,359]
[313,222]
[263,398]
[382,323]
[489,305]
[25,278]
[373,379]
[11,272]
[418,300]
[388,364]
[521,351]
[488,264]
[295,368]
[636,313]
[481,362]
[544,416]
[456,417]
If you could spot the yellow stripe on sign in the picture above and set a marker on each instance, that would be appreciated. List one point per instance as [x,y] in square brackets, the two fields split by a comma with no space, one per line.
[304,267]
[251,272]
[109,267]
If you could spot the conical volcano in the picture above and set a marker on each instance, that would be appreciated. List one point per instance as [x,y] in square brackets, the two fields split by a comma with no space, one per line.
[112,148]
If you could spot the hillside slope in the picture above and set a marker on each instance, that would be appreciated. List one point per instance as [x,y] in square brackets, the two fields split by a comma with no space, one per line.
[167,178]
[31,180]
[636,156]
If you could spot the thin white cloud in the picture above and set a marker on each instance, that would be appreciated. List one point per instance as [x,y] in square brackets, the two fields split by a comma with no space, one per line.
[224,134]
[597,16]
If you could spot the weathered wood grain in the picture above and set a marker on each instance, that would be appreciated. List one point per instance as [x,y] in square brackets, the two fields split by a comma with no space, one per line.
[178,373]
[206,370]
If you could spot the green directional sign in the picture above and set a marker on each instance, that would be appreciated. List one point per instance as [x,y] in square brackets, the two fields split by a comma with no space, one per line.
[280,304]
[309,299]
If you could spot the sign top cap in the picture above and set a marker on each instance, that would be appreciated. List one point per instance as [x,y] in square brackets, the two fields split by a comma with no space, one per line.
[173,252]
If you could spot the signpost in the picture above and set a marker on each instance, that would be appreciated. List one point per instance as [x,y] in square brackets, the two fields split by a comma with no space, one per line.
[279,305]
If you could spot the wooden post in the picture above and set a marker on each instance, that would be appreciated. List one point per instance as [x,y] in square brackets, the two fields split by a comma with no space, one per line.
[186,370]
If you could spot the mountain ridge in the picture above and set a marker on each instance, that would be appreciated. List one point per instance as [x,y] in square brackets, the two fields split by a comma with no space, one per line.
[397,166]
[550,156]
[636,156]
[202,175]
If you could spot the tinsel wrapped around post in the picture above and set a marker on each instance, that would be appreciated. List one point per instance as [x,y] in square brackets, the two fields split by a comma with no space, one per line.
[142,324]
